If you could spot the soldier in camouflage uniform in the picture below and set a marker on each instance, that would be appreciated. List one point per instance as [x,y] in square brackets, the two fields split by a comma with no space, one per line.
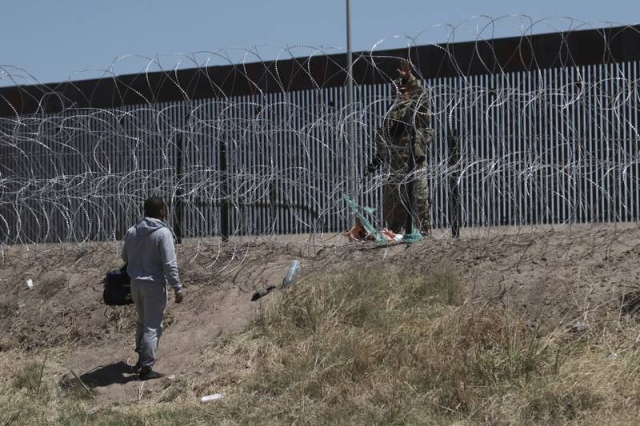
[394,149]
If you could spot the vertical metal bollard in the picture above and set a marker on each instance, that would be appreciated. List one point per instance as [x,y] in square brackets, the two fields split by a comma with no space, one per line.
[224,205]
[177,213]
[453,163]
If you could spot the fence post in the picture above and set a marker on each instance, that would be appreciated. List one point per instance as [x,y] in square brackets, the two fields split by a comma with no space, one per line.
[177,213]
[224,187]
[455,208]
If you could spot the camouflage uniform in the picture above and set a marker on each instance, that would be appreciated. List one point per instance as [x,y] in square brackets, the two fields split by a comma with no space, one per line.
[393,148]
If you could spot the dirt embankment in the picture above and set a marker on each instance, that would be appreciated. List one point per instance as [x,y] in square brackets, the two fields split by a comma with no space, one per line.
[554,277]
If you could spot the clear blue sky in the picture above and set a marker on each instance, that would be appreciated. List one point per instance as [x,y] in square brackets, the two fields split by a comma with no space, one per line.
[58,40]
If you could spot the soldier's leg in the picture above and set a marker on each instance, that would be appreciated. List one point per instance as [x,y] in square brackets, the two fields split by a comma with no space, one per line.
[394,211]
[422,205]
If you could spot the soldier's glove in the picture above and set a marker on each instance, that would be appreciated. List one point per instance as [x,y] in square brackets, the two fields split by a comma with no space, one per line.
[371,168]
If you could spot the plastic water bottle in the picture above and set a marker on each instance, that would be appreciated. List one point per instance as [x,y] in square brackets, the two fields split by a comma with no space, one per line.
[291,273]
[213,397]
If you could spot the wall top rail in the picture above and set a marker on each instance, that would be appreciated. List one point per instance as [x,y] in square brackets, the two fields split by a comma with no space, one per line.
[495,56]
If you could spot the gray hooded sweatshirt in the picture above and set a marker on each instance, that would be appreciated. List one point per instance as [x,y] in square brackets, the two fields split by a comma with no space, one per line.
[150,254]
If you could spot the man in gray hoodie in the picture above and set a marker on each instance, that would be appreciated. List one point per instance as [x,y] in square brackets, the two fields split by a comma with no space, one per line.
[151,261]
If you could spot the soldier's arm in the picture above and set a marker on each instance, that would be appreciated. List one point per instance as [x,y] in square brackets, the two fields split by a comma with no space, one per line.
[413,86]
[381,150]
[419,118]
[409,82]
[420,113]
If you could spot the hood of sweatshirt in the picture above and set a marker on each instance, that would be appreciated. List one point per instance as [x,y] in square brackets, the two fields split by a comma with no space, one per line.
[149,225]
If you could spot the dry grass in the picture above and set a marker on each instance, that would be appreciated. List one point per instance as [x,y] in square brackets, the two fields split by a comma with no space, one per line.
[375,346]
[394,347]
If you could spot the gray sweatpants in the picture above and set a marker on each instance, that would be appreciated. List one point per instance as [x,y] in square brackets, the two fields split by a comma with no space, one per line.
[151,301]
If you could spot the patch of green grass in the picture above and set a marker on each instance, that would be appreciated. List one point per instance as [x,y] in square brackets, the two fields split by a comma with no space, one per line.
[30,378]
[72,388]
[560,405]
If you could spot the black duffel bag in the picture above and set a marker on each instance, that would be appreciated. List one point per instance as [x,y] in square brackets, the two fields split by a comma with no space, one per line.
[117,287]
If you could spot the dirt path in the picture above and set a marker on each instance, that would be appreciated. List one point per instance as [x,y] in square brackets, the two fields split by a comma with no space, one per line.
[192,327]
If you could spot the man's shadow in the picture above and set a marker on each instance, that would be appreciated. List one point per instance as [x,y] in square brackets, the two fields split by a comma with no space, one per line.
[119,373]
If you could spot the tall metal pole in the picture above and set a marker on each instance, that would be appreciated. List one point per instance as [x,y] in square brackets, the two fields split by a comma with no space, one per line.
[353,188]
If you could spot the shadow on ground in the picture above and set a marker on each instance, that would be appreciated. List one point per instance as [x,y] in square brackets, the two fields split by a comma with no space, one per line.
[120,373]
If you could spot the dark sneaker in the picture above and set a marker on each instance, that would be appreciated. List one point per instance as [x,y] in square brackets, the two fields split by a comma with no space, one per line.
[137,368]
[150,375]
